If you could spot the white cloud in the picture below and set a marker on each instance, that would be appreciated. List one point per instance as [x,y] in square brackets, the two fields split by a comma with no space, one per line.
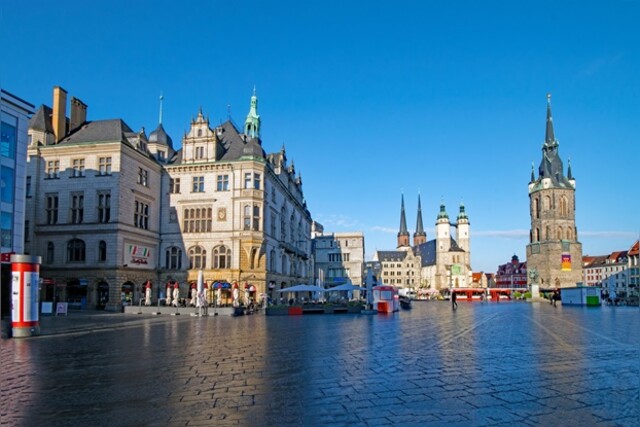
[338,221]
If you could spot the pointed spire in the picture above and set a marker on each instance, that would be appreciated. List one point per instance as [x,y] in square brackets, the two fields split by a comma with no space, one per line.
[533,175]
[403,234]
[160,118]
[419,236]
[549,135]
[569,174]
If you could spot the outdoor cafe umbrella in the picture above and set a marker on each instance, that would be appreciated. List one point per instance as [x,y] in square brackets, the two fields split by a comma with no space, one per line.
[176,294]
[302,288]
[200,289]
[168,301]
[147,296]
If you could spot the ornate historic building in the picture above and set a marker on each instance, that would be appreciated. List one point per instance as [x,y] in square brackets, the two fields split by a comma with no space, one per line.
[112,208]
[554,254]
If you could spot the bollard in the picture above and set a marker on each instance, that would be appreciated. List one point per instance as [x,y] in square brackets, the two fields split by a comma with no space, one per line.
[157,312]
[140,306]
[25,282]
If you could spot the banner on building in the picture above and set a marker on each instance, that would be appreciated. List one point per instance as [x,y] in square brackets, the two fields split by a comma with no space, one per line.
[566,262]
[137,255]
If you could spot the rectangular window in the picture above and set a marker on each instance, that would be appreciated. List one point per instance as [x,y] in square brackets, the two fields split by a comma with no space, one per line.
[143,177]
[174,185]
[77,208]
[197,220]
[247,180]
[8,136]
[8,187]
[27,231]
[104,166]
[53,169]
[256,181]
[273,225]
[223,183]
[104,207]
[141,215]
[198,184]
[6,229]
[52,208]
[199,152]
[256,218]
[247,217]
[28,189]
[78,168]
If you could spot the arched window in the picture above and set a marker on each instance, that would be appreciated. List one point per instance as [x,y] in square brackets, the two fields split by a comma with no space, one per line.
[102,251]
[560,233]
[221,257]
[197,258]
[272,261]
[536,236]
[293,227]
[548,233]
[564,206]
[76,250]
[546,203]
[199,132]
[50,252]
[284,265]
[173,258]
[569,233]
[536,208]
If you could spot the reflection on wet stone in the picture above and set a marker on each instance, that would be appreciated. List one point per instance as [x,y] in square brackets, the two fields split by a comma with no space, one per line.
[484,364]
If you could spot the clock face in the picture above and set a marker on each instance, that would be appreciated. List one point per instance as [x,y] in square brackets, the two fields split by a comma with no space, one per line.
[222,214]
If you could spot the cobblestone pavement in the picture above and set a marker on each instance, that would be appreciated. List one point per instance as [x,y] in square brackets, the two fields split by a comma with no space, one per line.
[486,364]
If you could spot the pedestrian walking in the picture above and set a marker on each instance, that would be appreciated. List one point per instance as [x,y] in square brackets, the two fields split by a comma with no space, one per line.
[454,303]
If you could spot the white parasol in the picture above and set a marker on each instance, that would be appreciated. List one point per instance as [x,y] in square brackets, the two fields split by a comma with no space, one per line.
[147,294]
[200,289]
[168,301]
[176,294]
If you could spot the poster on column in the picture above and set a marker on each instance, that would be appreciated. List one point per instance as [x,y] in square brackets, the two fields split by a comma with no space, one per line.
[25,306]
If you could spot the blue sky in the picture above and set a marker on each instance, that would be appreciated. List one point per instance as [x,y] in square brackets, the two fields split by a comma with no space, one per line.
[372,99]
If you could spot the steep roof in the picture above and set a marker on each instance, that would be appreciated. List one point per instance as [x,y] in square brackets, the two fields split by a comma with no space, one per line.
[99,131]
[391,255]
[41,120]
[634,249]
[235,145]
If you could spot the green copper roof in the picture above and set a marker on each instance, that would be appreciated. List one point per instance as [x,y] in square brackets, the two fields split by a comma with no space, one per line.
[252,123]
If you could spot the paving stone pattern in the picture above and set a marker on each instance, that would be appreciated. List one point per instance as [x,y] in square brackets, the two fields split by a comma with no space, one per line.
[486,364]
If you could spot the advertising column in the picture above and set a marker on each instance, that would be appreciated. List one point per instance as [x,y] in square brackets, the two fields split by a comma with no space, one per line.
[25,280]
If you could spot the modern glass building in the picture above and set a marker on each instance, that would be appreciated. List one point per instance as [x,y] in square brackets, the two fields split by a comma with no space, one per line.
[14,118]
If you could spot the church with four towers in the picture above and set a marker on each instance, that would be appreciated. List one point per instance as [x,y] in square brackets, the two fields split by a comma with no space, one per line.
[440,263]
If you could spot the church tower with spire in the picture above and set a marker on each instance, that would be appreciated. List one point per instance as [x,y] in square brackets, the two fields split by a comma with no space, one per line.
[554,254]
[403,234]
[420,236]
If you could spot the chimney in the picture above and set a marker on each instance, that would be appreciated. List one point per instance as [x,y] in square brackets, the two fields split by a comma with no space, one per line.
[78,114]
[59,119]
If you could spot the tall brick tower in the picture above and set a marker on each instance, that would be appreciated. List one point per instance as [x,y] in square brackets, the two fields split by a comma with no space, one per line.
[554,254]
